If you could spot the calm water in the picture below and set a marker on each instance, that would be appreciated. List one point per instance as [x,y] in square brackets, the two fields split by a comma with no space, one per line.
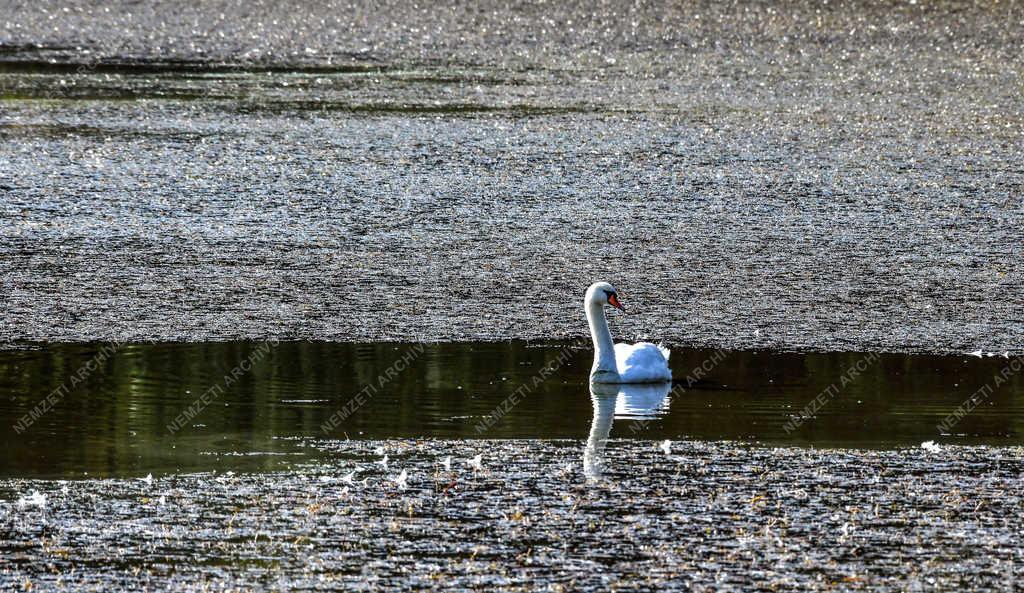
[242,405]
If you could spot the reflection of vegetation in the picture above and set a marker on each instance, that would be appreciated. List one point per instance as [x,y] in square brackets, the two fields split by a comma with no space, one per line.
[116,420]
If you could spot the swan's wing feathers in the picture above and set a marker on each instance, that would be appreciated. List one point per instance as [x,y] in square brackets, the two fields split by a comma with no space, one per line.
[643,362]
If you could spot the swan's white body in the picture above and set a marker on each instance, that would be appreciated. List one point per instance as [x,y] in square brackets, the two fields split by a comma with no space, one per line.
[642,362]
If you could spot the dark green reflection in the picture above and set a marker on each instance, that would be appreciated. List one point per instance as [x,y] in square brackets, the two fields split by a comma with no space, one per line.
[122,417]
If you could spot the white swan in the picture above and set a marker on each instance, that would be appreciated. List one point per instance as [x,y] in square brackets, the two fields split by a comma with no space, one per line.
[620,363]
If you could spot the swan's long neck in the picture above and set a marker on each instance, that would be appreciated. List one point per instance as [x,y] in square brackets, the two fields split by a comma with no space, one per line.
[604,348]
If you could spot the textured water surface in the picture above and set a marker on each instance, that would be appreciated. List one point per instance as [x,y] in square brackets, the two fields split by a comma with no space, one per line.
[840,177]
[705,517]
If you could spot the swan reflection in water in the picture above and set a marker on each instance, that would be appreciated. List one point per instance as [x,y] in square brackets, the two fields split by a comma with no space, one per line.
[637,402]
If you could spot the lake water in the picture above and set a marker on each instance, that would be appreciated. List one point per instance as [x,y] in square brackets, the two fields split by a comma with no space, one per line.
[157,408]
[763,178]
[747,186]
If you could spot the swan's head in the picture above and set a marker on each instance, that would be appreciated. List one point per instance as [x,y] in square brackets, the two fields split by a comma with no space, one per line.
[602,293]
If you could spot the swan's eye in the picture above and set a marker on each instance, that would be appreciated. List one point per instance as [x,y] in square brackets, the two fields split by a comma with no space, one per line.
[613,300]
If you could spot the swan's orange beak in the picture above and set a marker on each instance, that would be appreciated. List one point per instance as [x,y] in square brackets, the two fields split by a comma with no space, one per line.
[613,300]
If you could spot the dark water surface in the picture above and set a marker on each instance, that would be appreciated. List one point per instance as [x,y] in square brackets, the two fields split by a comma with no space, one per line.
[263,405]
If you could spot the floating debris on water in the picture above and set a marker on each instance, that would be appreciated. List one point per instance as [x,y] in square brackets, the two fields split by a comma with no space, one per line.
[898,168]
[35,499]
[712,516]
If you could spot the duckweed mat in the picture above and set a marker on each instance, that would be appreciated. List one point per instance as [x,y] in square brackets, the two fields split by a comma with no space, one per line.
[522,517]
